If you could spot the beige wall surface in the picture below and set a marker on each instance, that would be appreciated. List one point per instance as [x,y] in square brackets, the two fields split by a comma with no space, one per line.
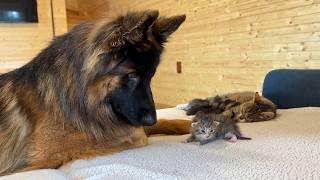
[224,45]
[20,42]
[230,45]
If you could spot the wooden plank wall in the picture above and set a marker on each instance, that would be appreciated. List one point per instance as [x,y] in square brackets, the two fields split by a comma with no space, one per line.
[79,11]
[75,17]
[60,16]
[76,12]
[22,41]
[230,45]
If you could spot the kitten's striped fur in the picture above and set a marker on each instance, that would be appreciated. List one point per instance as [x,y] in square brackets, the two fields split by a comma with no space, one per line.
[207,127]
[248,106]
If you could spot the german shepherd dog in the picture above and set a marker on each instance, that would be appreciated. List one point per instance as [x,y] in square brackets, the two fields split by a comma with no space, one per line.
[87,94]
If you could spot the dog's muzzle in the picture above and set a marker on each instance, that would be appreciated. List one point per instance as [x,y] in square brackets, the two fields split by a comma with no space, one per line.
[149,119]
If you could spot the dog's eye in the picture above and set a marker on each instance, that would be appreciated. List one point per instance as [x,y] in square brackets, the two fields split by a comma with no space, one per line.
[133,80]
[133,76]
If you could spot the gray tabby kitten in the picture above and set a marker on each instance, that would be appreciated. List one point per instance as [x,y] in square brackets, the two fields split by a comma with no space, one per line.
[203,129]
[248,106]
[206,128]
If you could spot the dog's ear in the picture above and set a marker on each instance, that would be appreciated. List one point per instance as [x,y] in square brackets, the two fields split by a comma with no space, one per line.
[139,30]
[164,27]
[132,30]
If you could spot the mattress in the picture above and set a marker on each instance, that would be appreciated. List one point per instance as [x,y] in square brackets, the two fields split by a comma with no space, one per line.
[285,148]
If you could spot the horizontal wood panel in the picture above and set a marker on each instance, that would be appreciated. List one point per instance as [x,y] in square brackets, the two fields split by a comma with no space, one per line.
[228,45]
[74,18]
[22,41]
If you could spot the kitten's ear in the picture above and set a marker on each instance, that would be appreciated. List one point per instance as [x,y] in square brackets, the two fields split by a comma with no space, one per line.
[164,27]
[256,97]
[233,115]
[228,114]
[216,123]
[194,124]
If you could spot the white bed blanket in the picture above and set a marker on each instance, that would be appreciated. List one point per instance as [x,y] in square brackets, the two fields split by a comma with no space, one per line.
[285,148]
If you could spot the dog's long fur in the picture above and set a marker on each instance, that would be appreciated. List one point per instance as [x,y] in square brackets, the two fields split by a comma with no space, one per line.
[73,100]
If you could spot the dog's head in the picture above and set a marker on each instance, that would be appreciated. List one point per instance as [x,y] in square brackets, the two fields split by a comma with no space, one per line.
[129,53]
[102,71]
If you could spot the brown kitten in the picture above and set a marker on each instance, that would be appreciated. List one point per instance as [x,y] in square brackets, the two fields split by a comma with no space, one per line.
[212,104]
[255,109]
[248,106]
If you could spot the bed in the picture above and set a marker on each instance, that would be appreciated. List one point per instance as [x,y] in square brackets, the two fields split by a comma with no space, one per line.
[287,147]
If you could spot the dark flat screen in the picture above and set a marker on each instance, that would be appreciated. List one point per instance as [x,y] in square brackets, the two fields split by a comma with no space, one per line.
[15,11]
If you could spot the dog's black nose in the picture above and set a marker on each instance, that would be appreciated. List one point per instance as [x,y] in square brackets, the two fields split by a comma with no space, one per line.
[149,119]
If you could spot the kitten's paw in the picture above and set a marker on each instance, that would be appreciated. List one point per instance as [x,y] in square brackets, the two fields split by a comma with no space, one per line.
[197,143]
[189,140]
[229,135]
[192,142]
[233,139]
[186,141]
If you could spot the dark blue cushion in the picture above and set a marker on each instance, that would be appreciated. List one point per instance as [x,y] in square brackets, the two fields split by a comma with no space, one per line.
[293,88]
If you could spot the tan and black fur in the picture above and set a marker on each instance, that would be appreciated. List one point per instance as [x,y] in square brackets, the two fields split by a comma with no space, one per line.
[87,94]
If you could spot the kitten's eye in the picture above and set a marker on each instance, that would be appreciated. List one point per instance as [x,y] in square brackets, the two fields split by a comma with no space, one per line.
[258,107]
[202,131]
[211,130]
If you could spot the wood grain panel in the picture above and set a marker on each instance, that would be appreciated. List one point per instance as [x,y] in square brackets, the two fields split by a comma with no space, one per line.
[20,42]
[60,17]
[227,45]
[75,17]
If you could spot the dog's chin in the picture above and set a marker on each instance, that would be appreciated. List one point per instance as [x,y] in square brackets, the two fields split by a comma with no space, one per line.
[147,119]
[122,117]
